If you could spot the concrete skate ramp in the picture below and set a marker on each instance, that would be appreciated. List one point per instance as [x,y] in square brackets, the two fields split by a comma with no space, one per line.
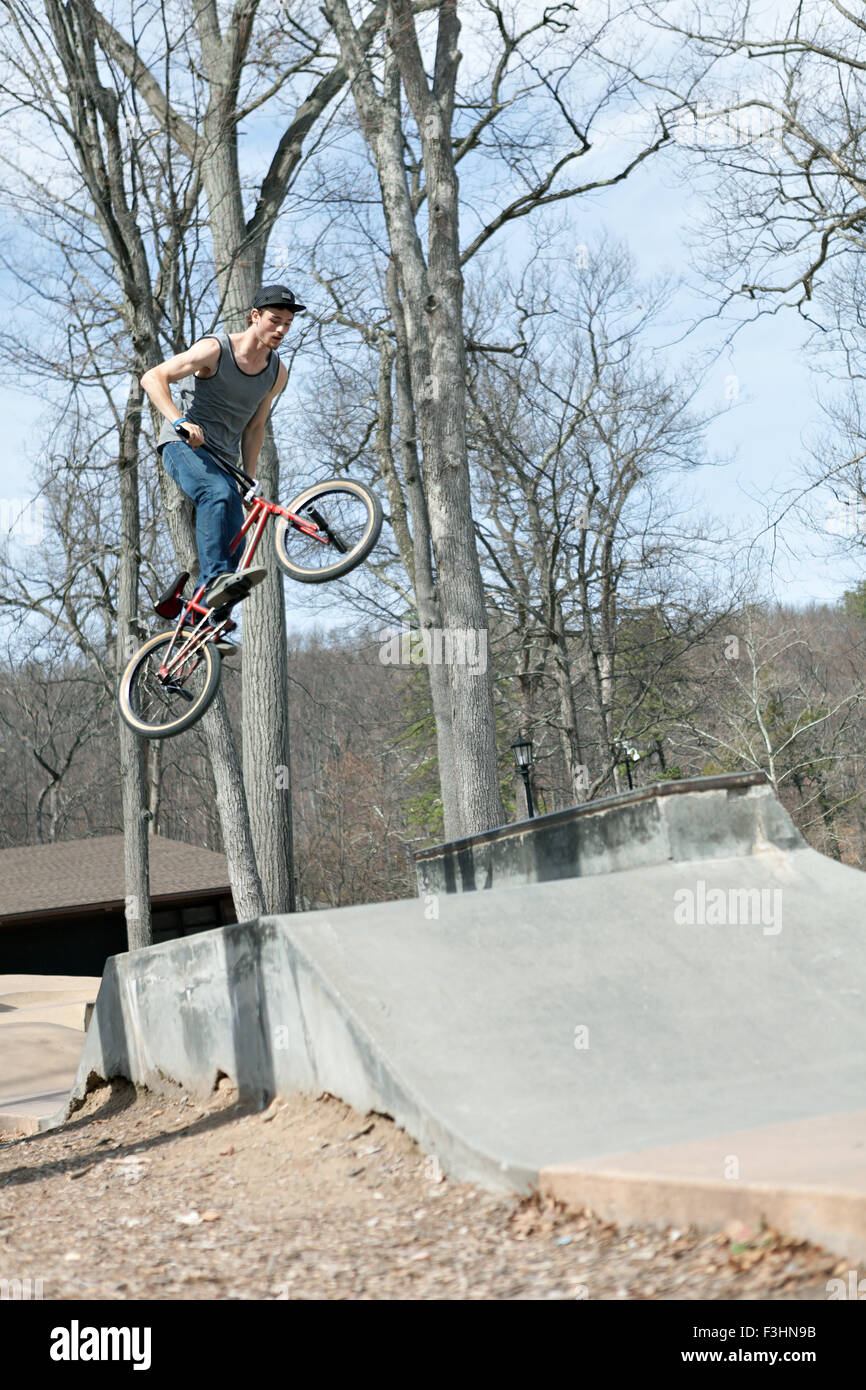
[535,1025]
[42,1024]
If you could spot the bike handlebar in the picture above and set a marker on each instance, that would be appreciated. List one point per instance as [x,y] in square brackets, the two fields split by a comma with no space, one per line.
[237,473]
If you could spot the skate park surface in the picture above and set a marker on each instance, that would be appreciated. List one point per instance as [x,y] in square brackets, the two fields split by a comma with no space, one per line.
[42,1023]
[651,1006]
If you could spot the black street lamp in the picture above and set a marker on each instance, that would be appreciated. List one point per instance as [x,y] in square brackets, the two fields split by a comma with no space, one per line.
[629,755]
[522,750]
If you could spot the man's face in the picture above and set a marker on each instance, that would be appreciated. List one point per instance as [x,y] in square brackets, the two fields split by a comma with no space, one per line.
[272,325]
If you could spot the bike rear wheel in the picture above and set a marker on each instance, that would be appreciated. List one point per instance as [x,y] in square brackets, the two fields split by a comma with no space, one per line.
[156,709]
[348,518]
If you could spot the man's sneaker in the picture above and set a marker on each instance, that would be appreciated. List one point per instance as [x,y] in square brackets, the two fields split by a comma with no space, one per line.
[232,586]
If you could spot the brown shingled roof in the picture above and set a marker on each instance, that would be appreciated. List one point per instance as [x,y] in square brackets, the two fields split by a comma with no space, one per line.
[90,873]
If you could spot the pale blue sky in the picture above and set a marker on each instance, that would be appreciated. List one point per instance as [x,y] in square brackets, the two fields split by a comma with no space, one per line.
[763,380]
[765,370]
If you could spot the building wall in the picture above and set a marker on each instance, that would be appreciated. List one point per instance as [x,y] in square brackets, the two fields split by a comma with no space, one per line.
[80,945]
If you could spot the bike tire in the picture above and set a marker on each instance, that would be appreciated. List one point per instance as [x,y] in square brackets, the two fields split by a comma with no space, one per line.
[332,487]
[136,670]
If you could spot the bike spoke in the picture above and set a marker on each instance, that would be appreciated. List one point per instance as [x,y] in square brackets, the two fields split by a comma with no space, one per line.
[158,701]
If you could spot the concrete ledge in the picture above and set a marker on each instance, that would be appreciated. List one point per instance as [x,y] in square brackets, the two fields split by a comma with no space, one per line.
[805,1179]
[24,1116]
[585,1029]
[247,1001]
[12,1124]
[42,1022]
[696,818]
[836,1221]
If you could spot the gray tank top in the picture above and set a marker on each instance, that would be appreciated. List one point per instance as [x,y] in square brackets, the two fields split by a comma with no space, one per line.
[222,404]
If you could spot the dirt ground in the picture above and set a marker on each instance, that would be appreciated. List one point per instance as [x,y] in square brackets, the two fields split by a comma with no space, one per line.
[144,1197]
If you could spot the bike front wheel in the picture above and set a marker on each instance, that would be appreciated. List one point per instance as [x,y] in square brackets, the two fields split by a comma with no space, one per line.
[156,708]
[348,519]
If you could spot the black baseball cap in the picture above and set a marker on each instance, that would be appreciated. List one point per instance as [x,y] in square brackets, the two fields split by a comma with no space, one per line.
[277,297]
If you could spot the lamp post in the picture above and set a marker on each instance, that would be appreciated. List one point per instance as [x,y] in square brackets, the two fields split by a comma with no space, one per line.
[522,750]
[629,755]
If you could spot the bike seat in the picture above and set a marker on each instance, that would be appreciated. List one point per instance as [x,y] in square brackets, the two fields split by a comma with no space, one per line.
[171,602]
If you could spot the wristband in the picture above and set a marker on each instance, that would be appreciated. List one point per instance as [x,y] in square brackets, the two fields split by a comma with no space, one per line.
[181,420]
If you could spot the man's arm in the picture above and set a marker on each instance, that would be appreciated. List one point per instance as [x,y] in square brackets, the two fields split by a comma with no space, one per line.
[251,440]
[202,357]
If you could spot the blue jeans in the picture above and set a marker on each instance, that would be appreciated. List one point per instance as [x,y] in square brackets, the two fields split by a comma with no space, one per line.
[219,513]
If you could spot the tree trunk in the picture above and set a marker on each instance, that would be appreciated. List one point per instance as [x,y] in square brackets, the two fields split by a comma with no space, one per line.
[267,750]
[432,301]
[133,789]
[238,264]
[222,750]
[569,732]
[155,785]
[418,562]
[101,166]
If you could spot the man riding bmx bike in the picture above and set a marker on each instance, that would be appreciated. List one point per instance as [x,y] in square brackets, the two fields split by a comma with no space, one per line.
[228,384]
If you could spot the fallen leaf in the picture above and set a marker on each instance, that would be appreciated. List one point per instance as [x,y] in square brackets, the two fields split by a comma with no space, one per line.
[360,1132]
[738,1232]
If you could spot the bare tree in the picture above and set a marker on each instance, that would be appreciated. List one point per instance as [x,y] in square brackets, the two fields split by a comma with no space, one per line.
[240,247]
[773,99]
[49,717]
[581,445]
[779,697]
[88,120]
[416,159]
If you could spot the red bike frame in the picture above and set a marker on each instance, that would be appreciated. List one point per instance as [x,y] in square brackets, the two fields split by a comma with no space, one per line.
[195,615]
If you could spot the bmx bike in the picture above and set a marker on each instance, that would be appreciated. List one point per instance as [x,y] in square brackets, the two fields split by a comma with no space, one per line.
[326,531]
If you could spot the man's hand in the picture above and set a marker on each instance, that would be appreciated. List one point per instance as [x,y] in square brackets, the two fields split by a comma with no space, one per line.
[252,493]
[190,434]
